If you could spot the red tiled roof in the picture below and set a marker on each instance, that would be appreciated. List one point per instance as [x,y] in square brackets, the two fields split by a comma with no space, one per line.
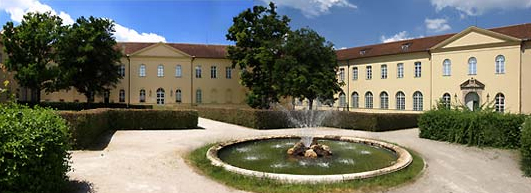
[197,50]
[522,31]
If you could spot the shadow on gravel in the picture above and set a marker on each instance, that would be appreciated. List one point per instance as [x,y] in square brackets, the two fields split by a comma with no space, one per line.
[75,186]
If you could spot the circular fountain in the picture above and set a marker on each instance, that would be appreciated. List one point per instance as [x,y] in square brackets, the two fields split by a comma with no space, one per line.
[352,158]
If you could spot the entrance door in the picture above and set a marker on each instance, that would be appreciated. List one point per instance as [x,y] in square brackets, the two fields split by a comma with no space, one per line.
[472,100]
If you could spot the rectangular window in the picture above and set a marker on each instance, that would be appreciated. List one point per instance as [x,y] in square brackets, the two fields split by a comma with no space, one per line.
[228,72]
[121,71]
[142,71]
[213,72]
[178,71]
[369,72]
[160,70]
[355,73]
[418,69]
[342,74]
[400,70]
[198,71]
[384,71]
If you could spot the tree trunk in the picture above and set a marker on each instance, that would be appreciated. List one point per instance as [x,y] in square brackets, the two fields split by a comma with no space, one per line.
[310,104]
[35,95]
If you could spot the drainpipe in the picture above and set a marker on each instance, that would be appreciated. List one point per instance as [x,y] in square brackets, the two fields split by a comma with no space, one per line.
[348,85]
[128,80]
[192,81]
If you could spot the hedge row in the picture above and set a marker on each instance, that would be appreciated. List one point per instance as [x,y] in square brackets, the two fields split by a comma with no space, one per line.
[73,106]
[483,128]
[86,126]
[33,150]
[525,148]
[269,119]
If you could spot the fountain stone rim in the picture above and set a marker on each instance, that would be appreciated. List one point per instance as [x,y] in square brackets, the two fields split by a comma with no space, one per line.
[404,158]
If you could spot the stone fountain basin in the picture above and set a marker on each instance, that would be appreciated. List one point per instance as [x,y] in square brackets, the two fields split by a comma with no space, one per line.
[404,158]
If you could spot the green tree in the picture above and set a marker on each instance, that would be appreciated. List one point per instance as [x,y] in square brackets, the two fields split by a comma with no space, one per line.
[259,35]
[308,67]
[88,58]
[30,47]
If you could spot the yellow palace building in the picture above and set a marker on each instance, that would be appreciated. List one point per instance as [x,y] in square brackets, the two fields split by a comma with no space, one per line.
[473,67]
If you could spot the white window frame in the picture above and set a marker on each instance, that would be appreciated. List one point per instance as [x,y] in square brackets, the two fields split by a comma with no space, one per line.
[178,96]
[384,71]
[355,73]
[355,100]
[418,69]
[400,100]
[342,100]
[199,96]
[447,67]
[472,66]
[142,97]
[198,71]
[341,74]
[418,99]
[160,96]
[228,72]
[160,70]
[213,72]
[178,71]
[369,72]
[499,102]
[447,100]
[384,100]
[122,70]
[142,70]
[369,100]
[500,64]
[400,70]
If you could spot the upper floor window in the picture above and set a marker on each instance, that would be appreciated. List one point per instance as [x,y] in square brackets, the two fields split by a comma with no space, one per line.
[198,71]
[384,100]
[213,72]
[446,100]
[160,70]
[122,70]
[368,100]
[500,64]
[122,95]
[341,74]
[355,100]
[142,70]
[178,71]
[417,101]
[355,73]
[472,66]
[178,96]
[400,70]
[447,67]
[418,69]
[400,101]
[142,95]
[499,102]
[384,71]
[228,72]
[369,72]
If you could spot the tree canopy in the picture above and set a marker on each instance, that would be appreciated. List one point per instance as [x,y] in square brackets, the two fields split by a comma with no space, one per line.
[31,48]
[87,57]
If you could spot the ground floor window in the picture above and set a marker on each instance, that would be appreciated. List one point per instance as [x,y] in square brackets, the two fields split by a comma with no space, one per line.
[122,96]
[355,100]
[142,96]
[417,101]
[198,96]
[178,96]
[499,102]
[400,101]
[160,96]
[446,99]
[368,100]
[384,100]
[342,100]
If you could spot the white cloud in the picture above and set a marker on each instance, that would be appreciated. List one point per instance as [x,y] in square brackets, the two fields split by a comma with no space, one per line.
[437,25]
[18,8]
[478,7]
[312,8]
[403,35]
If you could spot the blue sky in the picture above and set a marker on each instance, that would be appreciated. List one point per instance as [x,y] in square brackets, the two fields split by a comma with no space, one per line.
[346,23]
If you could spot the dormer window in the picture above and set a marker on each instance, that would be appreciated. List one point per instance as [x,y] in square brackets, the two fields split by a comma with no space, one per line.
[364,51]
[405,46]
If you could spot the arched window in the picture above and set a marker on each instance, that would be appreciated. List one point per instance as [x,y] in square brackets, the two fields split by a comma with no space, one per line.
[368,100]
[472,66]
[342,100]
[160,70]
[198,96]
[447,67]
[500,64]
[417,101]
[446,99]
[178,71]
[142,70]
[142,95]
[122,95]
[160,96]
[499,102]
[400,100]
[384,100]
[178,96]
[355,100]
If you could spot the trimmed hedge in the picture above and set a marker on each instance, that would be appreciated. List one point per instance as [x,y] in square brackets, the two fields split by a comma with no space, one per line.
[270,119]
[72,106]
[88,125]
[525,148]
[483,128]
[33,150]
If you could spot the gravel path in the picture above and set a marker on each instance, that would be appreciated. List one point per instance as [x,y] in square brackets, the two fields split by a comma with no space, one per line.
[152,161]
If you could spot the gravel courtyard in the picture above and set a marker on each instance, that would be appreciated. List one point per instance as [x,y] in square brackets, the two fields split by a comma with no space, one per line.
[153,161]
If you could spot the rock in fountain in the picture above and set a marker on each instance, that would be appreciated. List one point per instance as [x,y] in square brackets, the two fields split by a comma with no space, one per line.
[314,150]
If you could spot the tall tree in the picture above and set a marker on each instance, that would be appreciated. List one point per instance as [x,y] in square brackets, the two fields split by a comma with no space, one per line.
[30,47]
[308,67]
[259,34]
[88,58]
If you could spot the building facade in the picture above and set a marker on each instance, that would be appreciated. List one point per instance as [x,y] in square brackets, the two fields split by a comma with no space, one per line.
[473,68]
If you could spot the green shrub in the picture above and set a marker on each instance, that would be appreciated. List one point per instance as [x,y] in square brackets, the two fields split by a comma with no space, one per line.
[33,150]
[271,119]
[89,125]
[525,148]
[479,128]
[73,106]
